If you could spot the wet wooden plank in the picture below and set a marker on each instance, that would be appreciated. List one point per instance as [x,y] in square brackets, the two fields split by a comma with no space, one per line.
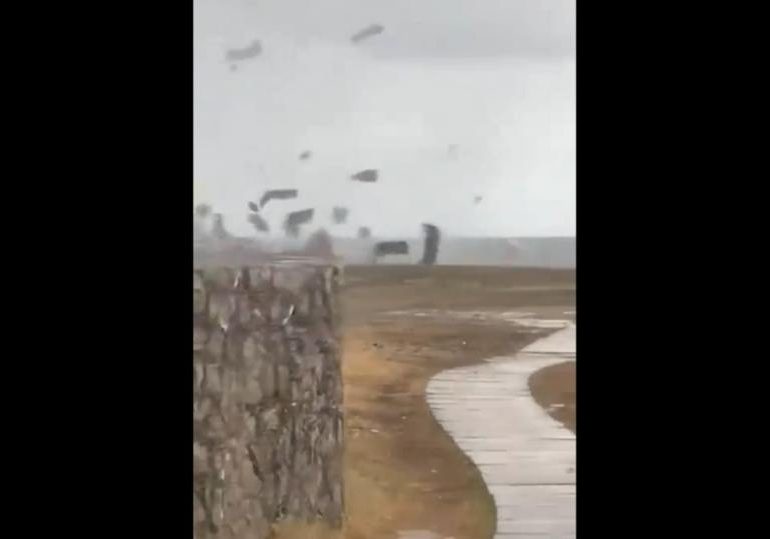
[526,458]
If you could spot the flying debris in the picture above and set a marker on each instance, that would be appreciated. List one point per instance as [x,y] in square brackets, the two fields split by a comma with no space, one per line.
[202,210]
[239,55]
[390,248]
[364,232]
[339,215]
[304,156]
[369,31]
[201,228]
[452,151]
[319,244]
[218,230]
[369,175]
[258,222]
[432,238]
[253,206]
[296,219]
[477,199]
[277,194]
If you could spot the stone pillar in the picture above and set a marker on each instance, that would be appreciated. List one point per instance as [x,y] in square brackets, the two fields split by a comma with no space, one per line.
[267,390]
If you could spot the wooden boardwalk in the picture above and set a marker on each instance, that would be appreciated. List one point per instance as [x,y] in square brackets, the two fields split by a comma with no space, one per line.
[526,458]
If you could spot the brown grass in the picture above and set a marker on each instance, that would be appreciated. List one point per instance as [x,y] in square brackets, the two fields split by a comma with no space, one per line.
[556,385]
[402,471]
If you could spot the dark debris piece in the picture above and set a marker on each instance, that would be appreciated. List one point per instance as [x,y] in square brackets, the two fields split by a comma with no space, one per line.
[369,175]
[391,248]
[247,53]
[364,232]
[339,215]
[304,156]
[277,194]
[369,31]
[218,229]
[258,222]
[296,219]
[432,239]
[477,199]
[203,210]
[253,206]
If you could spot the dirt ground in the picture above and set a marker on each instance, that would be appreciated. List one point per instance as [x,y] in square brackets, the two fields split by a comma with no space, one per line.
[402,471]
[554,389]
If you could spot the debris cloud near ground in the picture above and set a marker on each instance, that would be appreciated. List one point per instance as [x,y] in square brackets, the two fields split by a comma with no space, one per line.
[319,245]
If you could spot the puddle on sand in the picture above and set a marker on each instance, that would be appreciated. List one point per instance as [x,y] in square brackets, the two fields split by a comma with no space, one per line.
[420,534]
[519,318]
[480,316]
[538,323]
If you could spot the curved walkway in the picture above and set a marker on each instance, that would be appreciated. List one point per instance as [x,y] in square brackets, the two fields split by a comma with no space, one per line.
[526,458]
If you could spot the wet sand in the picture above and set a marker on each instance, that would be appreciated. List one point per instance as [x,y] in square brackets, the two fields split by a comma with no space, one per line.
[554,389]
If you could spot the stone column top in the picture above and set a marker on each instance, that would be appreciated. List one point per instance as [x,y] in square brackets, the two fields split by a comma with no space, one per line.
[210,258]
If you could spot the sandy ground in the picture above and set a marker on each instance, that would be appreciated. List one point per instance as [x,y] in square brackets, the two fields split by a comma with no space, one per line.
[402,471]
[554,389]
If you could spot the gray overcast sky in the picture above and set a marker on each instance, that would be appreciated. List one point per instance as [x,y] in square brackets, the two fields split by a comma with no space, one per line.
[496,78]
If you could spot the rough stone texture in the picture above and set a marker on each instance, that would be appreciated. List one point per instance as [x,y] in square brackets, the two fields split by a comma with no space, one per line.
[267,386]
